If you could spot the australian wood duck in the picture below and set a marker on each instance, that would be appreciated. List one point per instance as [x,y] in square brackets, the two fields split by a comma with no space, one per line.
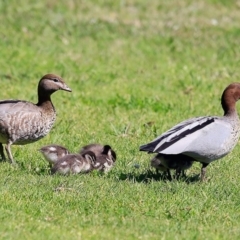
[53,152]
[105,156]
[23,122]
[202,139]
[75,163]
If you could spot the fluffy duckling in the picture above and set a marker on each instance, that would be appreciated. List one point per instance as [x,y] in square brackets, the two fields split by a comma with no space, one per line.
[23,122]
[165,163]
[75,163]
[106,160]
[53,152]
[105,156]
[99,149]
[156,163]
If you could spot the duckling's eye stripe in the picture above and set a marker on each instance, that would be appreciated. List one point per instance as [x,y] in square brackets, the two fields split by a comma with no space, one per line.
[180,133]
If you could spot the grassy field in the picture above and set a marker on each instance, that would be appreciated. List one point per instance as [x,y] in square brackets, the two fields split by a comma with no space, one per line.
[128,63]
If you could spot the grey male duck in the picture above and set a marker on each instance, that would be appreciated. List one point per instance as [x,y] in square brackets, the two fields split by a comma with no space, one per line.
[202,139]
[23,122]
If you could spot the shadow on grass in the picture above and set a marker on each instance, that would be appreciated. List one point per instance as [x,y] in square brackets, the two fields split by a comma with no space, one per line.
[146,177]
[149,176]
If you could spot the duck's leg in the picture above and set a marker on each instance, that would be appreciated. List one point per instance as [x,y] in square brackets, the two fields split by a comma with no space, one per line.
[203,171]
[8,149]
[183,173]
[2,152]
[169,174]
[178,173]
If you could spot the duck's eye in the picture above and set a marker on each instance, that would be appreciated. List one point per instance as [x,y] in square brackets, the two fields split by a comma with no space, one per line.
[55,80]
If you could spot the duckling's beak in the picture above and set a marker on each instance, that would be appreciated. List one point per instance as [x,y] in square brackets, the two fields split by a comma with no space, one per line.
[66,88]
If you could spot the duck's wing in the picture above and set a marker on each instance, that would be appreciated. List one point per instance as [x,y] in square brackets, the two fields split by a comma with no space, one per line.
[181,137]
[13,106]
[14,110]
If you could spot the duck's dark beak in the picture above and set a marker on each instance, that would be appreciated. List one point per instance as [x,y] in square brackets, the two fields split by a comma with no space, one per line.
[66,88]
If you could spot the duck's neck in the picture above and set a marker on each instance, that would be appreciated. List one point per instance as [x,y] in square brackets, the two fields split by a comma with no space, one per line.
[43,97]
[228,104]
[231,114]
[44,101]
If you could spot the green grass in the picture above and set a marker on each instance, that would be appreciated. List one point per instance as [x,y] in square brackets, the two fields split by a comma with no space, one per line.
[128,63]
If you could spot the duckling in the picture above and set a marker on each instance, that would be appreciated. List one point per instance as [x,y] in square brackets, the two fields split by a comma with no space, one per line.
[98,149]
[53,152]
[23,122]
[106,160]
[156,163]
[105,156]
[75,163]
[165,162]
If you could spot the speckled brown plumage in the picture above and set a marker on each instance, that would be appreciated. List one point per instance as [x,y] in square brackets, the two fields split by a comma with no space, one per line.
[23,122]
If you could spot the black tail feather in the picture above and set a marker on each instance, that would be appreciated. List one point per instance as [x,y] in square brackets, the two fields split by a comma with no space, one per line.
[149,147]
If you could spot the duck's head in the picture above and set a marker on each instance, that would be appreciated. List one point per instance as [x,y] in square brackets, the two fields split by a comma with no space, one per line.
[229,98]
[50,83]
[53,152]
[107,150]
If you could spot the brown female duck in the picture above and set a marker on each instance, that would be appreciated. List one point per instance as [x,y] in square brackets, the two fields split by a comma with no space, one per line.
[23,122]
